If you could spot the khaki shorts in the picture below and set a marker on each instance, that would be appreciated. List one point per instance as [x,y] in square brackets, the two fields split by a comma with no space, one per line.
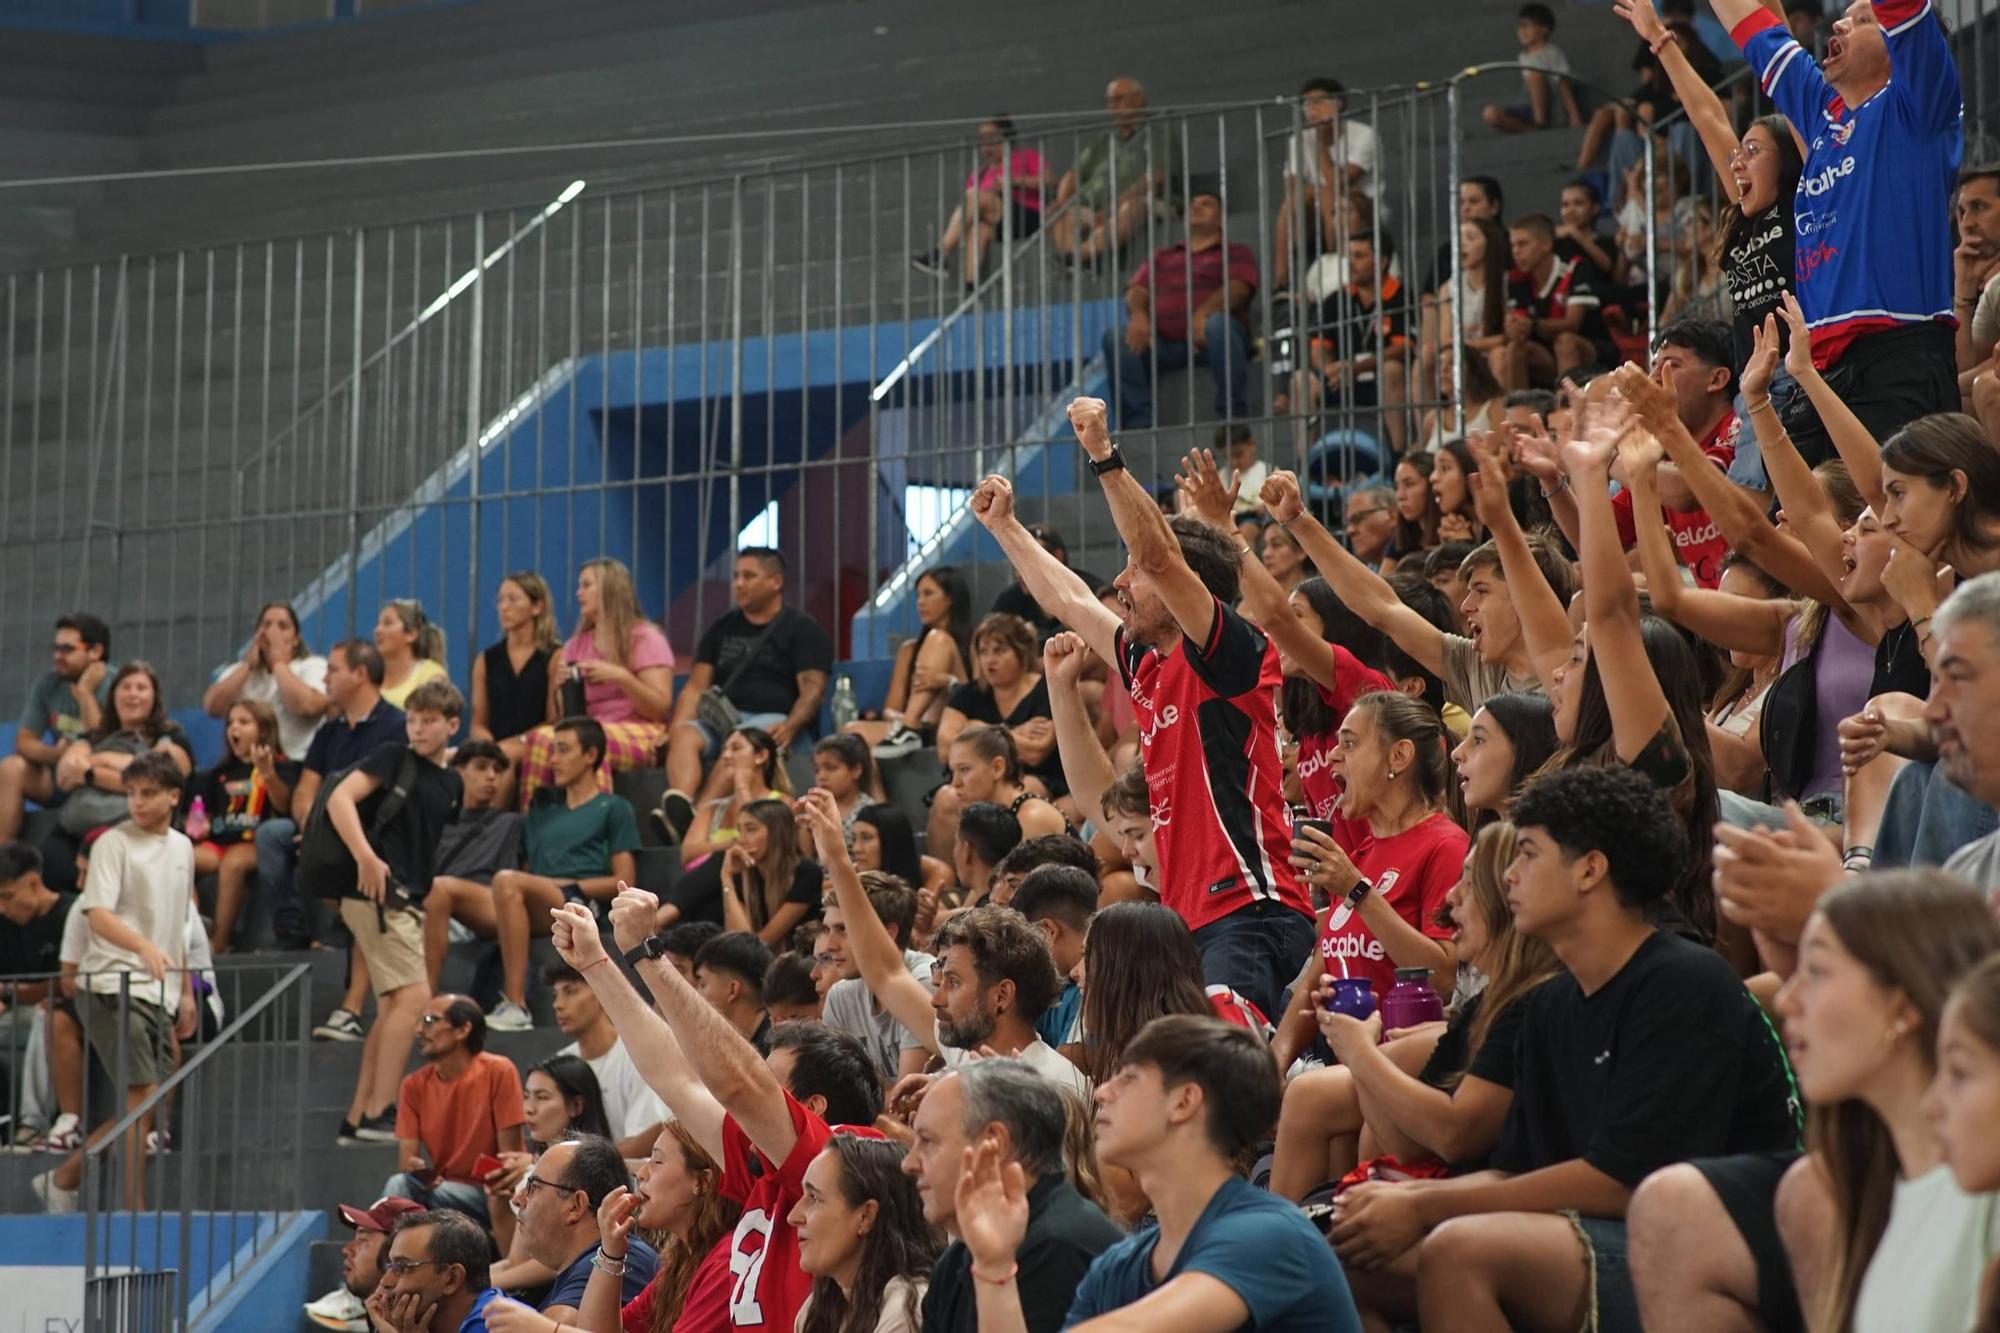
[395,956]
[145,1030]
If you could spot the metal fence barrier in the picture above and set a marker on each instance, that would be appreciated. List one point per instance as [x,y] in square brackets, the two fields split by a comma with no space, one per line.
[188,1185]
[131,1302]
[662,373]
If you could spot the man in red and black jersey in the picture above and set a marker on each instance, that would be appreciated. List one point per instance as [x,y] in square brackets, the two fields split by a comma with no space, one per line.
[1554,318]
[763,1118]
[1204,683]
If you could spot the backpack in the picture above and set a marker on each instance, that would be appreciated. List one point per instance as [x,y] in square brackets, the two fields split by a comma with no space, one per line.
[326,868]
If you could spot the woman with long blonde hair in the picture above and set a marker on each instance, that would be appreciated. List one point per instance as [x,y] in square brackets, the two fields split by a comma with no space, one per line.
[627,672]
[678,1198]
[1417,1098]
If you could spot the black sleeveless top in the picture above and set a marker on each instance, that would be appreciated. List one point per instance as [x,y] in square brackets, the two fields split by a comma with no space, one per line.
[515,703]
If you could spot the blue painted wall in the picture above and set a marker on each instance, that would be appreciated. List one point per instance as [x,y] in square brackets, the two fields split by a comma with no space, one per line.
[150,1242]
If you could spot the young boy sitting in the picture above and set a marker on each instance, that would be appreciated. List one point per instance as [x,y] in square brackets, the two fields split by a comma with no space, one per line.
[137,991]
[485,840]
[580,841]
[394,865]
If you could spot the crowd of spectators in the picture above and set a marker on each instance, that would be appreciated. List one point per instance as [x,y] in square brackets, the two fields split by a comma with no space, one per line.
[1568,896]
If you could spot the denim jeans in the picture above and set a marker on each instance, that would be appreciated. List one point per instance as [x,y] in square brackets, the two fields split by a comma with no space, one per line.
[276,856]
[1258,951]
[457,1195]
[1227,357]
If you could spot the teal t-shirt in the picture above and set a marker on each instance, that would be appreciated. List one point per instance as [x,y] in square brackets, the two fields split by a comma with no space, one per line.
[572,844]
[51,713]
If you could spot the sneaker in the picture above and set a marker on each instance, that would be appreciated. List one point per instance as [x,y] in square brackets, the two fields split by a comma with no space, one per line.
[54,1197]
[159,1141]
[675,816]
[930,261]
[903,740]
[509,1017]
[374,1129]
[340,1025]
[344,1137]
[339,1308]
[65,1135]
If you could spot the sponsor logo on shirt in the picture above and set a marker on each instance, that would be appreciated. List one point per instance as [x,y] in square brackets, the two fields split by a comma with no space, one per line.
[1310,765]
[1163,719]
[1353,946]
[1826,177]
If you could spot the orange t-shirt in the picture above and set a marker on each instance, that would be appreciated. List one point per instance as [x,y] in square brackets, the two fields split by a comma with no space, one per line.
[457,1121]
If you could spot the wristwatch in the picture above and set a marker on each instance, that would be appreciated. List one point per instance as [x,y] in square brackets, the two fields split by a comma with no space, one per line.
[651,947]
[1115,463]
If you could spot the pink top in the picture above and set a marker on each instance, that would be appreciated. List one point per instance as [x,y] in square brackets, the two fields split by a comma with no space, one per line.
[1025,162]
[606,702]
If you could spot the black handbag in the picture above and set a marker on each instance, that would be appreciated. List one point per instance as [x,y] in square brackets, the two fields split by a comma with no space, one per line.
[1788,726]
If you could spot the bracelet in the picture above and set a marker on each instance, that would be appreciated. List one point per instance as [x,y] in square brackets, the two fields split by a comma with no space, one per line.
[1760,405]
[614,1267]
[593,963]
[1920,620]
[1012,1271]
[1244,550]
[1660,43]
[1557,489]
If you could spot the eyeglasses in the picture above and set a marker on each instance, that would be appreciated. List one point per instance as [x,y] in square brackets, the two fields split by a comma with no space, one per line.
[825,960]
[1354,520]
[528,1183]
[65,649]
[404,1267]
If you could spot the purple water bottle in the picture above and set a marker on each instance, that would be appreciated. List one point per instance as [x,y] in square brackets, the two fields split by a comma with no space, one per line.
[1411,1001]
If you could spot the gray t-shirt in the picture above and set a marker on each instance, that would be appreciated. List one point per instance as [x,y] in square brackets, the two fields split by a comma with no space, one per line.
[851,1008]
[1986,315]
[1978,863]
[1470,682]
[52,710]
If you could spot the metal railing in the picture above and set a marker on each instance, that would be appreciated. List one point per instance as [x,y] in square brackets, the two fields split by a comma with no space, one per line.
[131,1302]
[186,1186]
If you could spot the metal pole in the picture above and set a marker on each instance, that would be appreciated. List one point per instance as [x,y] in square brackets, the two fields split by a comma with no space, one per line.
[1457,146]
[1652,247]
[353,433]
[475,347]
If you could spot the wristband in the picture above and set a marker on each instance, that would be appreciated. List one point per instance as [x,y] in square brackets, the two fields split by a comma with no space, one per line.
[1012,1271]
[601,958]
[614,1267]
[1114,462]
[1760,405]
[1660,43]
[1557,489]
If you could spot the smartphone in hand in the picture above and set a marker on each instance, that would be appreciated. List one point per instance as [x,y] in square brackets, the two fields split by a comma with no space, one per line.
[485,1165]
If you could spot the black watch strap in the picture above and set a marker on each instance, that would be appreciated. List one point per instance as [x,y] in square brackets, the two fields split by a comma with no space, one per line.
[650,947]
[1115,463]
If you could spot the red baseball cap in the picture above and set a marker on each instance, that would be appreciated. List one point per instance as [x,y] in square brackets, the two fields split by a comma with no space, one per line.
[380,1215]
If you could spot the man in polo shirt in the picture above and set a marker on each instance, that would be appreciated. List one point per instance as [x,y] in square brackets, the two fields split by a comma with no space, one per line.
[1008,1104]
[360,1264]
[1553,323]
[359,722]
[1187,303]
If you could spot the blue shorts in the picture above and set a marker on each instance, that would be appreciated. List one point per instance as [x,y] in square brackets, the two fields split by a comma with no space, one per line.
[711,744]
[1614,1306]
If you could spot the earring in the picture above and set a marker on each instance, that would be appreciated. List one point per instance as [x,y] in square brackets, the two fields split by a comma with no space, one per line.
[1392,775]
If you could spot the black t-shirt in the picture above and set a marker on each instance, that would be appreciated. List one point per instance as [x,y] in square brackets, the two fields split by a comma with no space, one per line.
[479,844]
[37,946]
[1757,270]
[1569,252]
[1899,664]
[1568,288]
[1065,1233]
[769,682]
[978,704]
[409,843]
[1014,600]
[1494,1060]
[698,893]
[1670,1059]
[1352,327]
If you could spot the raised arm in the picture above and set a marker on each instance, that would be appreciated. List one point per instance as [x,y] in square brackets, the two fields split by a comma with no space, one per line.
[1086,766]
[1704,109]
[1808,513]
[1153,549]
[655,1052]
[717,1055]
[1364,591]
[1851,440]
[1053,585]
[1544,618]
[1611,603]
[876,952]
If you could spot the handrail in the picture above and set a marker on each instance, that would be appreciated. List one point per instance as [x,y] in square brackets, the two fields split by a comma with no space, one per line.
[110,1138]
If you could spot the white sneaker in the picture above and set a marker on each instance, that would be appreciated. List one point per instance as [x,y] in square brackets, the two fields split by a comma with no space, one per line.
[54,1197]
[510,1017]
[339,1308]
[341,1025]
[64,1135]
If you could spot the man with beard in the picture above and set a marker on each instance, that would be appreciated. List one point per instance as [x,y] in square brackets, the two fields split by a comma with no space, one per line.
[360,1263]
[1203,682]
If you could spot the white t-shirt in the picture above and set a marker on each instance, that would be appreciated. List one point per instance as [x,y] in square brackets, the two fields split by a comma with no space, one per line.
[295,733]
[1926,1271]
[629,1104]
[1039,1056]
[147,880]
[1549,60]
[1252,479]
[1353,144]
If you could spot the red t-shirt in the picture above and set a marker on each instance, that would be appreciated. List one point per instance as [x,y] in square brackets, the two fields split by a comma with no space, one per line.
[1180,280]
[460,1120]
[1208,730]
[1351,681]
[1240,1010]
[767,1286]
[1698,543]
[1413,870]
[705,1308]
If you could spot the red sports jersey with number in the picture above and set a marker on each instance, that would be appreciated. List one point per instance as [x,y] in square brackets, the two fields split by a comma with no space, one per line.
[1352,680]
[1208,729]
[766,1285]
